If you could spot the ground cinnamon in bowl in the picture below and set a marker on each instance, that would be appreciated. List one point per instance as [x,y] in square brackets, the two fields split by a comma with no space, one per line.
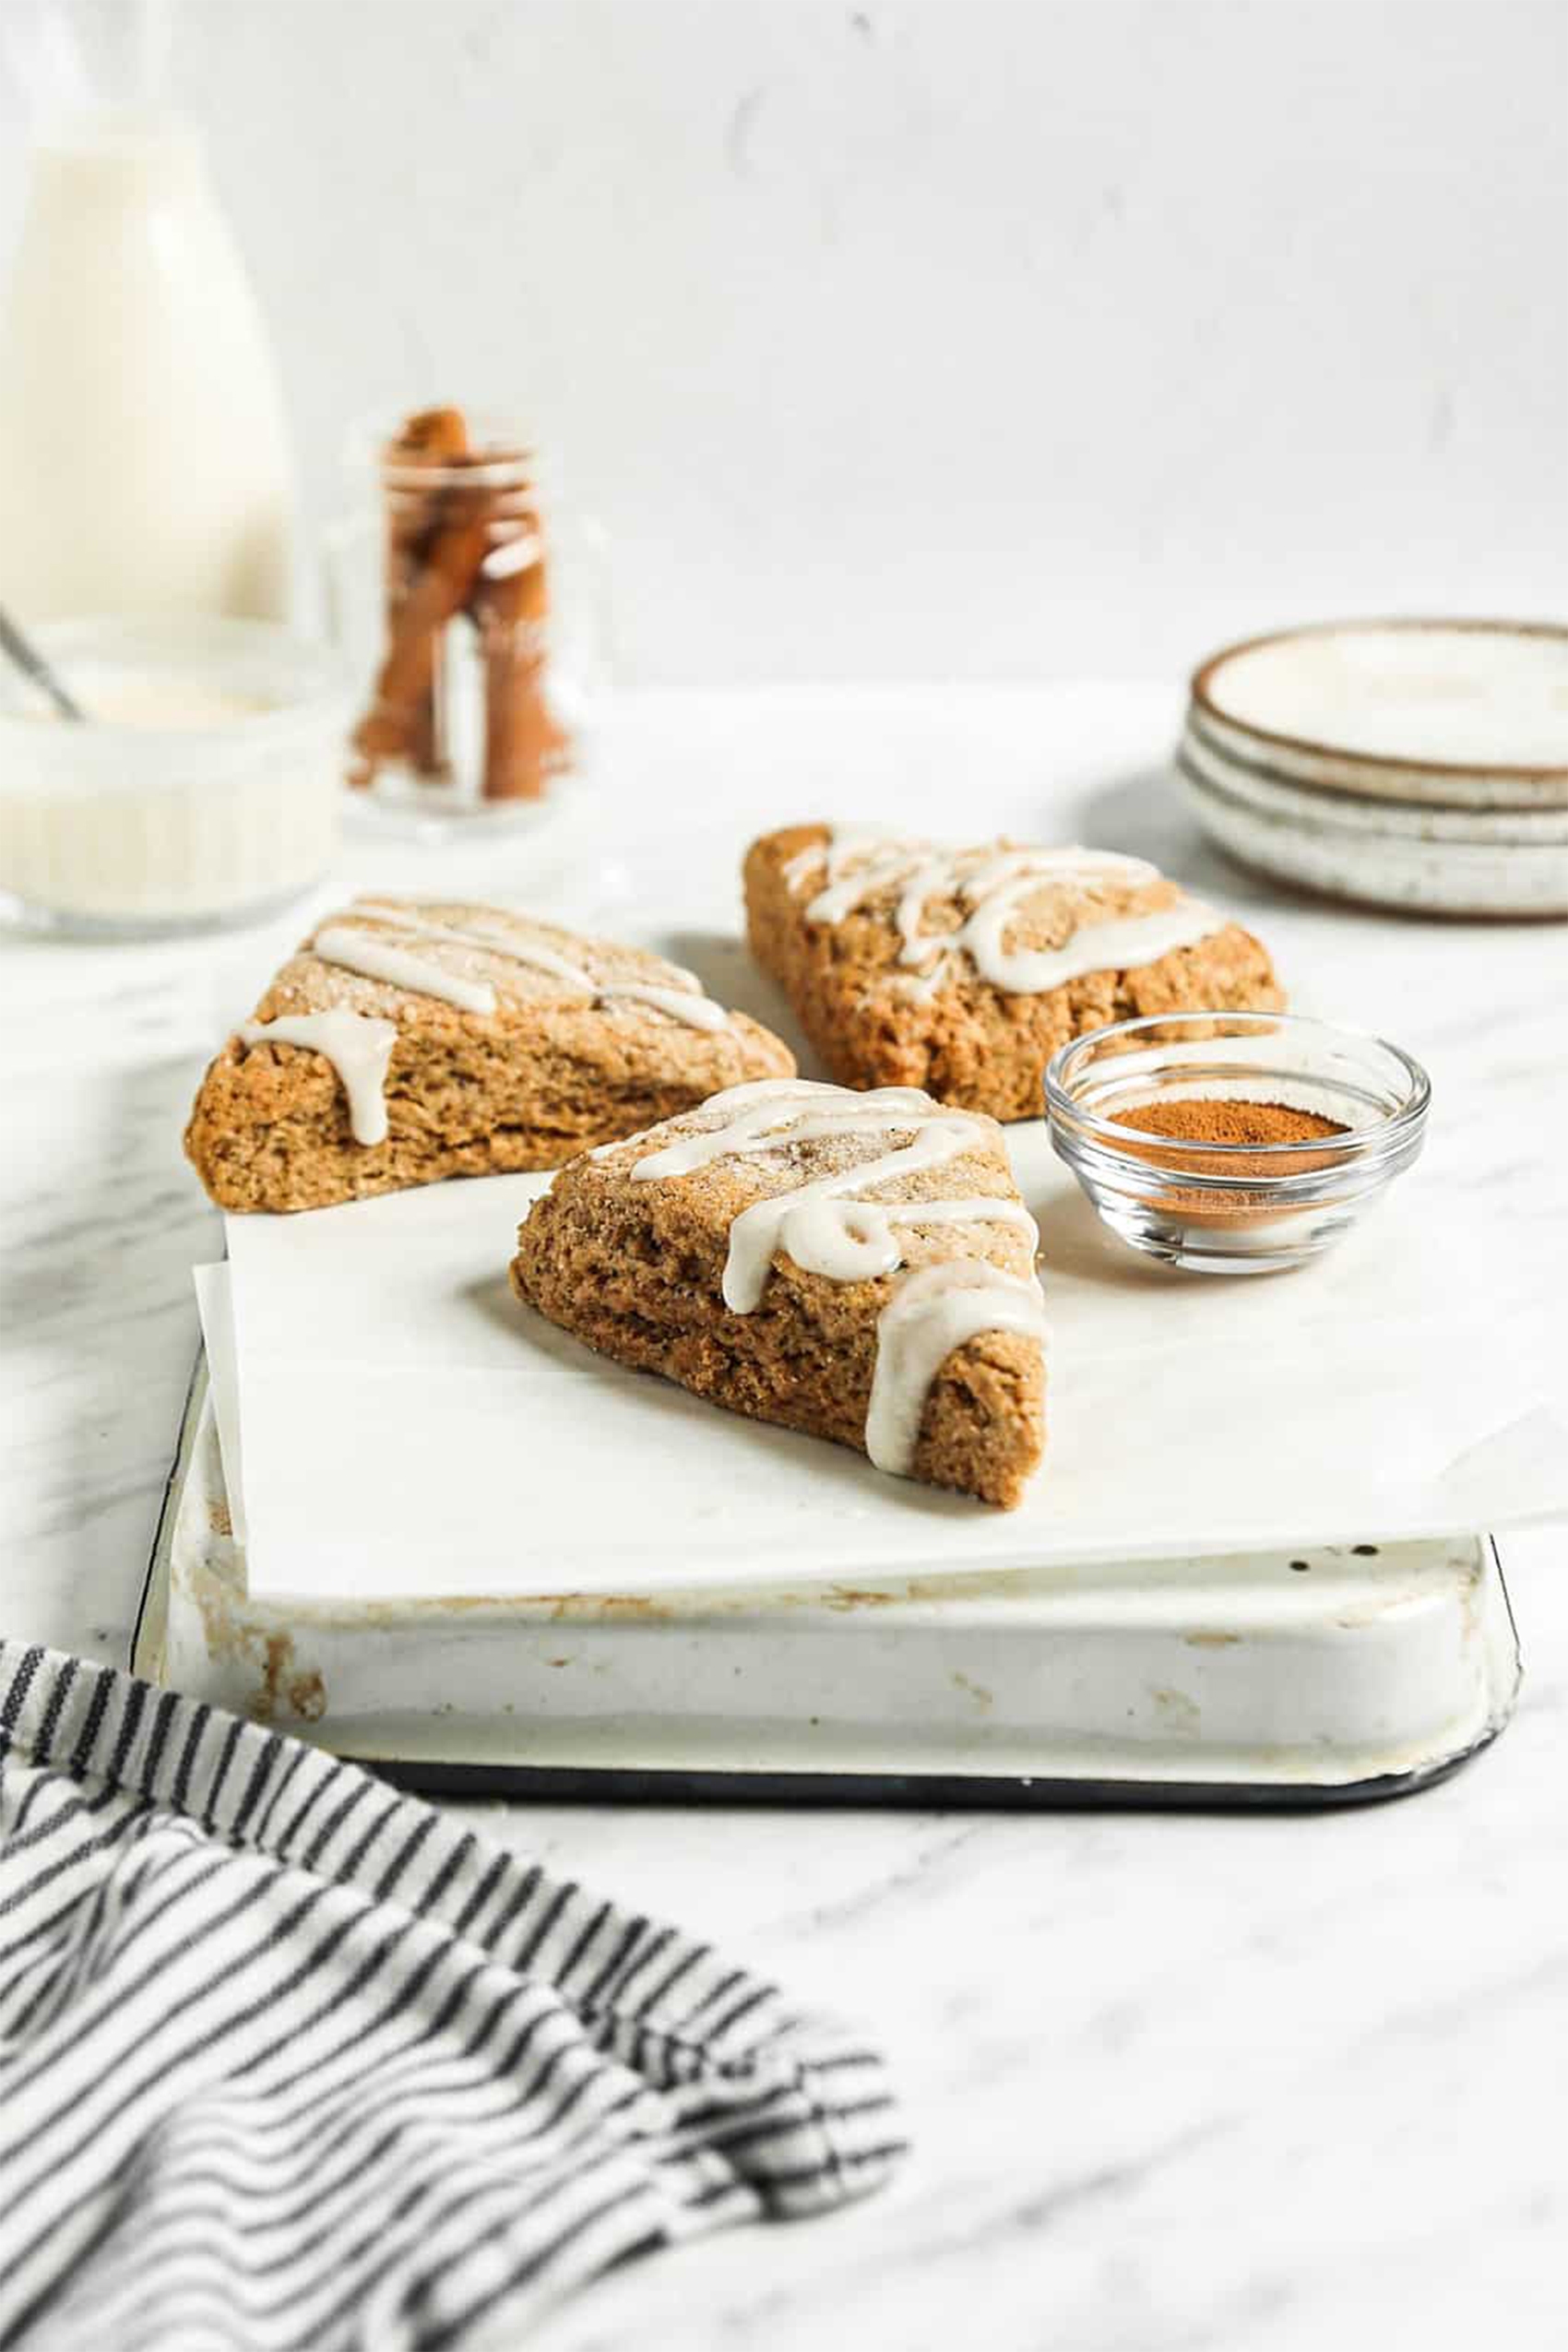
[1227,1124]
[1205,1121]
[1230,1142]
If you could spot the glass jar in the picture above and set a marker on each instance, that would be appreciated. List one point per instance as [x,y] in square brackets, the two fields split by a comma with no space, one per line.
[144,460]
[468,609]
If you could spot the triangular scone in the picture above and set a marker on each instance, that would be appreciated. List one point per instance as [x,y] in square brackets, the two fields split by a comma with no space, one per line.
[410,1041]
[909,963]
[858,1266]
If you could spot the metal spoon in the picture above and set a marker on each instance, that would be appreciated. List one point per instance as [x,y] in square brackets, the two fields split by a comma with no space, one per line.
[32,665]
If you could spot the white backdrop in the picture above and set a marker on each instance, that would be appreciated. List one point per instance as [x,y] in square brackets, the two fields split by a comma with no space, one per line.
[993,337]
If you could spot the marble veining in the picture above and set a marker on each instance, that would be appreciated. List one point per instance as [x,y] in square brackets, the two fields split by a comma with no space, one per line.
[1200,2084]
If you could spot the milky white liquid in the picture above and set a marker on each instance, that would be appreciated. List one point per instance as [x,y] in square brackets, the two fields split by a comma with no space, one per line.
[201,784]
[153,702]
[144,467]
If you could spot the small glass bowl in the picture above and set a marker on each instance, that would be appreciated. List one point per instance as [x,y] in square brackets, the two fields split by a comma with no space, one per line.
[1234,1207]
[207,798]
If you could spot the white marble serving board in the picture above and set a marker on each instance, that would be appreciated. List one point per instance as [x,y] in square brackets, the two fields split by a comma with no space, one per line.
[409,1432]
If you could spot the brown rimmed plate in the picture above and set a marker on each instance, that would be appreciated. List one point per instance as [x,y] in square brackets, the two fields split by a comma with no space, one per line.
[1443,713]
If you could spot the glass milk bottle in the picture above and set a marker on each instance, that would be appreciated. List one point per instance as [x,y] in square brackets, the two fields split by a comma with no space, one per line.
[144,462]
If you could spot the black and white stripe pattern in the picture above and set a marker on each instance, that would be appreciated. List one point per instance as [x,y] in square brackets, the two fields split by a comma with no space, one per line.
[290,2060]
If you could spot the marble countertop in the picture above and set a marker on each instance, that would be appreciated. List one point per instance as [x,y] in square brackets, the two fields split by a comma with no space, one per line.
[1176,2081]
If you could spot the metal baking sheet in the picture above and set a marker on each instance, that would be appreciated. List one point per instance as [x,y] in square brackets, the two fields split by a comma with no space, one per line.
[1330,1674]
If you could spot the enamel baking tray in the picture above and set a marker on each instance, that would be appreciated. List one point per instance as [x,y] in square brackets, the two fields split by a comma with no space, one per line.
[1339,1673]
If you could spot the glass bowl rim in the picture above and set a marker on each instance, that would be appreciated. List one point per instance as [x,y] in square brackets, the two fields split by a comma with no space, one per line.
[161,638]
[507,457]
[1114,1136]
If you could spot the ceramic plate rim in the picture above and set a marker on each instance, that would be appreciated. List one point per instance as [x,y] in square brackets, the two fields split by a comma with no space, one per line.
[1279,844]
[1202,678]
[1290,798]
[1457,854]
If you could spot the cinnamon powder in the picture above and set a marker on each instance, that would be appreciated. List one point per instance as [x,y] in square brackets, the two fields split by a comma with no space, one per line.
[1228,1122]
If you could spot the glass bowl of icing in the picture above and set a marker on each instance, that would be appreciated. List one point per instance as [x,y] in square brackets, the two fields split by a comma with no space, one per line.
[200,790]
[1234,1143]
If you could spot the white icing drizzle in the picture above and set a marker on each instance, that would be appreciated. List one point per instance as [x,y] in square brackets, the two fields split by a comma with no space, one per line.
[358,1045]
[1120,943]
[850,1240]
[827,1227]
[771,1113]
[698,1011]
[934,1311]
[799,868]
[376,958]
[685,1004]
[991,887]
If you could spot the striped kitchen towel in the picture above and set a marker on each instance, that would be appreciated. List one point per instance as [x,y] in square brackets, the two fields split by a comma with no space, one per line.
[288,2059]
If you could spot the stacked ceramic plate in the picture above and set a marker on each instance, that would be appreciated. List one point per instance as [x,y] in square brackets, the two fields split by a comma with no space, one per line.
[1419,764]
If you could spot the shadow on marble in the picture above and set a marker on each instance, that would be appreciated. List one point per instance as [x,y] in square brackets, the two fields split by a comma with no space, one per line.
[723,963]
[1072,1240]
[1142,814]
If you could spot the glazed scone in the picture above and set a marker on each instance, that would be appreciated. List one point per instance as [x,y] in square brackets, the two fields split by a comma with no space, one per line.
[410,1041]
[962,970]
[858,1267]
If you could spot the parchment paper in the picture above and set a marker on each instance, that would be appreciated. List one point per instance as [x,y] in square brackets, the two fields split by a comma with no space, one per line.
[411,1431]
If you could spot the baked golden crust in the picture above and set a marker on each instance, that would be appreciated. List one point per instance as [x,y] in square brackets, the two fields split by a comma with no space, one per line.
[635,1270]
[549,1072]
[965,1040]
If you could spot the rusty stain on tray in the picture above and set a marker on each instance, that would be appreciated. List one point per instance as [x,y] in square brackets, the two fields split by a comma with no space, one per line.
[300,1692]
[1178,1712]
[391,1614]
[983,1699]
[615,1606]
[306,1695]
[671,1607]
[282,1684]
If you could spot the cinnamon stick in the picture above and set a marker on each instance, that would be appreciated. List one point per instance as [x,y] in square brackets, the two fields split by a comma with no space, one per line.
[432,439]
[465,546]
[523,745]
[434,544]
